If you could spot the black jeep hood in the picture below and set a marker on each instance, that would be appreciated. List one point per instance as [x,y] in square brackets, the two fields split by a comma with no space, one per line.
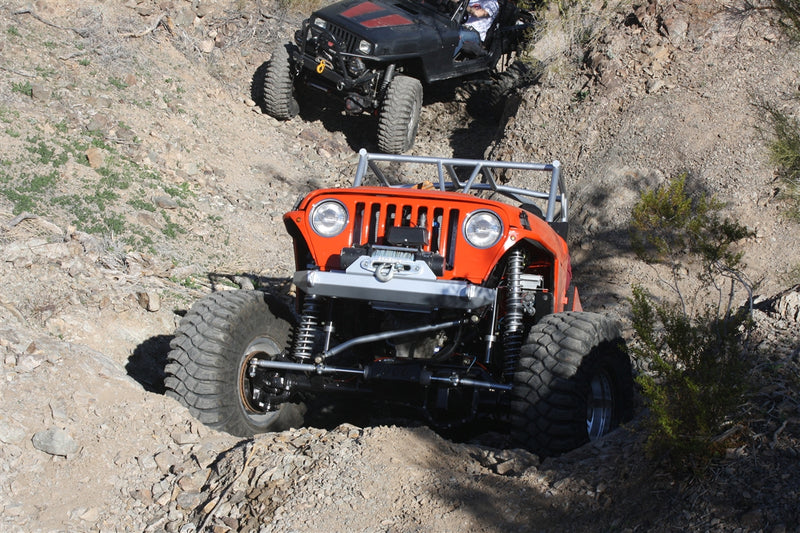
[394,27]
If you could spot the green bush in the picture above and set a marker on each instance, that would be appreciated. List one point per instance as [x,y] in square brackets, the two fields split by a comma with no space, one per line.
[785,154]
[692,351]
[696,376]
[22,87]
[669,227]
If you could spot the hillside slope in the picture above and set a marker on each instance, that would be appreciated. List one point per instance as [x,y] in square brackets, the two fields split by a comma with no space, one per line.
[662,90]
[137,174]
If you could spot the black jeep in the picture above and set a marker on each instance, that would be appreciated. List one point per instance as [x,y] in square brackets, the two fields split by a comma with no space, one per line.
[377,54]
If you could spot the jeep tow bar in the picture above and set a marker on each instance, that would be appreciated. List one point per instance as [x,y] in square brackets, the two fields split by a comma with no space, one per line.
[422,376]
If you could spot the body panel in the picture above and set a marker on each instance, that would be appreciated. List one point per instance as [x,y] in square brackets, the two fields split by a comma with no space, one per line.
[428,208]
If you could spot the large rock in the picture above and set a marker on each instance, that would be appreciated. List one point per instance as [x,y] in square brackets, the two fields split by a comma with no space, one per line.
[788,305]
[55,441]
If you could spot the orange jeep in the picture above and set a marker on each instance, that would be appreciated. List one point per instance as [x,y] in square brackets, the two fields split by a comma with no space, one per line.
[431,283]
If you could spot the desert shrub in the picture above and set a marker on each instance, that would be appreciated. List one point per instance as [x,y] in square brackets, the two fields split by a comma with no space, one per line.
[696,377]
[790,16]
[785,154]
[690,345]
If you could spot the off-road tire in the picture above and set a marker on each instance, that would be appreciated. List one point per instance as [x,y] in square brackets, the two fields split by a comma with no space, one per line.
[399,115]
[573,383]
[518,75]
[206,366]
[280,101]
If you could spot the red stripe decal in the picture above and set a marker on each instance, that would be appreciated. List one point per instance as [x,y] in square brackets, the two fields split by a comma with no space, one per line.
[360,9]
[388,20]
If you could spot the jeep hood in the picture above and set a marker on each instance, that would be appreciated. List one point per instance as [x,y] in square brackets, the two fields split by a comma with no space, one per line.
[395,27]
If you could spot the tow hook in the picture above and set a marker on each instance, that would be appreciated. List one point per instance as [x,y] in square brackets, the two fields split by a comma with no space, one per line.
[385,272]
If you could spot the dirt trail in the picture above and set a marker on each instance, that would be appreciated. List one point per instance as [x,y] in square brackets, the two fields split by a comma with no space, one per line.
[136,118]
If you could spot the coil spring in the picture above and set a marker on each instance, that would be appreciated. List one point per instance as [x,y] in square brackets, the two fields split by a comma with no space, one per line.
[512,322]
[306,330]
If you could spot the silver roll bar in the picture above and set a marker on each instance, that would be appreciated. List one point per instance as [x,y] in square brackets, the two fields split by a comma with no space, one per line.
[446,170]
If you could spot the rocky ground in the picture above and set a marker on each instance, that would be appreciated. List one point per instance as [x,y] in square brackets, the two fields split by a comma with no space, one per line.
[137,174]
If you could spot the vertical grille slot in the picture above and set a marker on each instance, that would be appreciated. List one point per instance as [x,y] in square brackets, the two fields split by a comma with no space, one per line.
[422,219]
[405,218]
[374,223]
[436,230]
[452,237]
[391,217]
[358,225]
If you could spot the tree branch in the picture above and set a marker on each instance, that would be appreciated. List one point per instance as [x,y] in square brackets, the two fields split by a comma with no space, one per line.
[17,72]
[28,11]
[163,20]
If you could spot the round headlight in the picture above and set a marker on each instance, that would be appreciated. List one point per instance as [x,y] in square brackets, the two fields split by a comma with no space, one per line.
[365,47]
[328,218]
[483,229]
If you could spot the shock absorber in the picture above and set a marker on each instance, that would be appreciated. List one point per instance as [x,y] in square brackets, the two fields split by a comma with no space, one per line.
[512,321]
[306,329]
[387,77]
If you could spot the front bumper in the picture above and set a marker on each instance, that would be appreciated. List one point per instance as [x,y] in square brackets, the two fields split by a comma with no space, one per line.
[329,62]
[412,283]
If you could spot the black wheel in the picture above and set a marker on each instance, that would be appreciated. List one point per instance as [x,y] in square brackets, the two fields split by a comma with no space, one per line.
[518,75]
[573,383]
[399,117]
[207,366]
[280,101]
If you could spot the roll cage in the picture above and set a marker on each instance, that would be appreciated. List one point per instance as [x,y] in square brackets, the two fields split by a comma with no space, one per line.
[474,176]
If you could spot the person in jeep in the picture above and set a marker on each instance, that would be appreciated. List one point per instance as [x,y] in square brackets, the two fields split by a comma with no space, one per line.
[481,16]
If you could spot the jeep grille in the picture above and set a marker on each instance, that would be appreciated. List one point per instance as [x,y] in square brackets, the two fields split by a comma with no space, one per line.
[347,41]
[442,224]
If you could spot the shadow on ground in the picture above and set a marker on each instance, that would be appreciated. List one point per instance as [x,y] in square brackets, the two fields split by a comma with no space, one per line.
[147,367]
